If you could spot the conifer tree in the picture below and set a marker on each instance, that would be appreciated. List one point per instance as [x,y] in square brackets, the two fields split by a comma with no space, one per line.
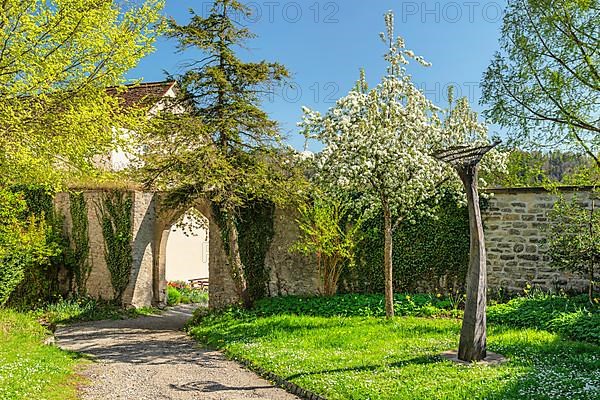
[225,147]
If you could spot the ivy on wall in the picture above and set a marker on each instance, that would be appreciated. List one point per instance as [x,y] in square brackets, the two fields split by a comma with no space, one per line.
[255,224]
[116,220]
[424,252]
[256,231]
[77,258]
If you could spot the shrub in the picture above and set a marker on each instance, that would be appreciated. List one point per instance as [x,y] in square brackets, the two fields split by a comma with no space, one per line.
[187,295]
[25,243]
[425,250]
[572,317]
[86,309]
[173,296]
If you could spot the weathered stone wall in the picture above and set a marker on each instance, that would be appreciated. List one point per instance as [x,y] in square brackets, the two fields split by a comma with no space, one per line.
[139,292]
[290,273]
[151,224]
[515,226]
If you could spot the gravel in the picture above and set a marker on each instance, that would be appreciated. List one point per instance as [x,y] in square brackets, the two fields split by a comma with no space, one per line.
[151,358]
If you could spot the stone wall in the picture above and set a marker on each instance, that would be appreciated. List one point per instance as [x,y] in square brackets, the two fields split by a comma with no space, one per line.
[152,220]
[290,272]
[514,222]
[515,227]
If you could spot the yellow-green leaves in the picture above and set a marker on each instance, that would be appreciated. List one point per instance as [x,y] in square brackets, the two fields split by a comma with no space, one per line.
[56,59]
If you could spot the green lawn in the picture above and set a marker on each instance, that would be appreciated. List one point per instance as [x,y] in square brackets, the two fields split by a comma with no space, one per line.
[357,357]
[28,368]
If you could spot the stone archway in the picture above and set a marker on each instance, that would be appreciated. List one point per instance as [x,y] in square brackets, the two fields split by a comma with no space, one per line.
[221,289]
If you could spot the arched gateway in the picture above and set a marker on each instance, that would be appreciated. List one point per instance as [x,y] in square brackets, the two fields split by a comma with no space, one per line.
[151,222]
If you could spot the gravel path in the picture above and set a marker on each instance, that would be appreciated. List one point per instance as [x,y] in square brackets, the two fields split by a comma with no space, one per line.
[151,358]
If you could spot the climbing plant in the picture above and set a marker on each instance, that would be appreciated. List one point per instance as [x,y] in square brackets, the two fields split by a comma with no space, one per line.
[256,231]
[116,220]
[255,224]
[432,248]
[78,255]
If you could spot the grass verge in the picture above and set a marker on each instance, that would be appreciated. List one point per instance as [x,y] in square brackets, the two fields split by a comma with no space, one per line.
[28,368]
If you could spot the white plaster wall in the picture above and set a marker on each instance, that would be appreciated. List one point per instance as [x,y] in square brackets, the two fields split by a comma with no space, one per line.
[187,252]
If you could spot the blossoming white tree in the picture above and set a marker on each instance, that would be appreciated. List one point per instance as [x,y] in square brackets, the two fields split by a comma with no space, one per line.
[380,143]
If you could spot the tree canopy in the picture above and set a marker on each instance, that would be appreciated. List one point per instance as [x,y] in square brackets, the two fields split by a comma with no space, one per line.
[57,57]
[380,144]
[221,146]
[544,84]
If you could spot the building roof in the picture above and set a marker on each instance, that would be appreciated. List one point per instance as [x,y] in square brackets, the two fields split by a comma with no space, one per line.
[142,94]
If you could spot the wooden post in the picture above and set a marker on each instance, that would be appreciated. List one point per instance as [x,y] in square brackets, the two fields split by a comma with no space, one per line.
[472,346]
[465,159]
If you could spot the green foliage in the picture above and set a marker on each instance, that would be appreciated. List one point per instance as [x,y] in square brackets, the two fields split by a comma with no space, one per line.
[425,250]
[173,296]
[232,154]
[544,84]
[28,368]
[354,305]
[57,58]
[536,168]
[79,309]
[357,357]
[116,220]
[574,238]
[79,249]
[185,294]
[256,231]
[328,233]
[26,247]
[571,317]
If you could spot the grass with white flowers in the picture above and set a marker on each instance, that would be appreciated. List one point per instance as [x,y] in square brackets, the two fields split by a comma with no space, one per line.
[28,368]
[366,357]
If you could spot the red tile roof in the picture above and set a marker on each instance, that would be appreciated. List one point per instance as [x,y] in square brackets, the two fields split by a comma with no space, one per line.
[141,94]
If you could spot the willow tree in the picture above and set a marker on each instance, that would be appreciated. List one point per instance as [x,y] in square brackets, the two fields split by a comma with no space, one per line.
[56,59]
[223,147]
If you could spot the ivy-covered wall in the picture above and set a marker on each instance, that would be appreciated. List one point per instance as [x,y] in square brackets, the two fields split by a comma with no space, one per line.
[430,254]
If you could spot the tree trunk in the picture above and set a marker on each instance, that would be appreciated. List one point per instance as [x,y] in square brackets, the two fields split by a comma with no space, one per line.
[387,261]
[472,345]
[235,262]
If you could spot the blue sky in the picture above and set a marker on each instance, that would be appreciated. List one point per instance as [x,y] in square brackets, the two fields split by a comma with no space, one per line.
[325,43]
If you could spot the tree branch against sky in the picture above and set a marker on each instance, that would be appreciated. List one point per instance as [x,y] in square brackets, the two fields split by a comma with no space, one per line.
[544,84]
[56,59]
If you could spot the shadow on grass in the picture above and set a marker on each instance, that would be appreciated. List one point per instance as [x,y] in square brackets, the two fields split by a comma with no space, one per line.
[422,360]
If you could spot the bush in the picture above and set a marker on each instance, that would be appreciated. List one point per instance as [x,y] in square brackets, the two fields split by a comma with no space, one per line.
[173,296]
[187,295]
[425,250]
[86,309]
[26,245]
[572,317]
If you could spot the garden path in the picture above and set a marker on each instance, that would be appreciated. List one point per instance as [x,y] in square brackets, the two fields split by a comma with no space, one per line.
[151,358]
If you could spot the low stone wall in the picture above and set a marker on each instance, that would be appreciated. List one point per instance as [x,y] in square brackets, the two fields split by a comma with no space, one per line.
[515,225]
